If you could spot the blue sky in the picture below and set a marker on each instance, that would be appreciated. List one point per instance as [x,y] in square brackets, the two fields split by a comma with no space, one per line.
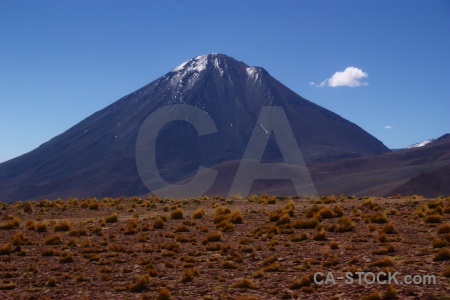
[60,61]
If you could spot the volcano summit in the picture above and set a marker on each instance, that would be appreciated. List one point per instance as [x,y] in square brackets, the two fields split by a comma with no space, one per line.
[96,157]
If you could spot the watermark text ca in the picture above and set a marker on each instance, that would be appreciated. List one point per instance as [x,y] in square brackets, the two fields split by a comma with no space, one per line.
[272,120]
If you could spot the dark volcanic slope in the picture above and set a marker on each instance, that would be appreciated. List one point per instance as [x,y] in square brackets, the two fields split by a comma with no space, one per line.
[428,184]
[434,181]
[422,171]
[96,156]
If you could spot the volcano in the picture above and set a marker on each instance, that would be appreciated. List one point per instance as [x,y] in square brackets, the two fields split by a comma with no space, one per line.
[96,157]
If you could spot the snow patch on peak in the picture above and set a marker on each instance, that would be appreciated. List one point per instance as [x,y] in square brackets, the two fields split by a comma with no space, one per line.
[197,64]
[187,73]
[252,72]
[217,66]
[421,144]
[180,67]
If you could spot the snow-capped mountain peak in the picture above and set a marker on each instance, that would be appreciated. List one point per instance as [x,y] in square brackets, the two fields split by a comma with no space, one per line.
[421,144]
[188,72]
[197,64]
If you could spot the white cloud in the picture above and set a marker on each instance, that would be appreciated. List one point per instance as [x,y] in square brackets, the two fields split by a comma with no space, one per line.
[389,127]
[351,77]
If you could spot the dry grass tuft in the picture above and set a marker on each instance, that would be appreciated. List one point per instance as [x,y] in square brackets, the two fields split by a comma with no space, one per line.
[177,214]
[443,254]
[30,225]
[7,285]
[213,237]
[325,212]
[386,250]
[164,294]
[198,213]
[305,224]
[53,240]
[389,228]
[5,249]
[140,285]
[112,218]
[28,208]
[14,222]
[41,227]
[62,226]
[384,262]
[432,219]
[334,246]
[345,224]
[52,282]
[444,228]
[189,274]
[304,281]
[228,265]
[446,272]
[245,284]
[320,236]
[66,259]
[158,223]
[377,217]
[236,217]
